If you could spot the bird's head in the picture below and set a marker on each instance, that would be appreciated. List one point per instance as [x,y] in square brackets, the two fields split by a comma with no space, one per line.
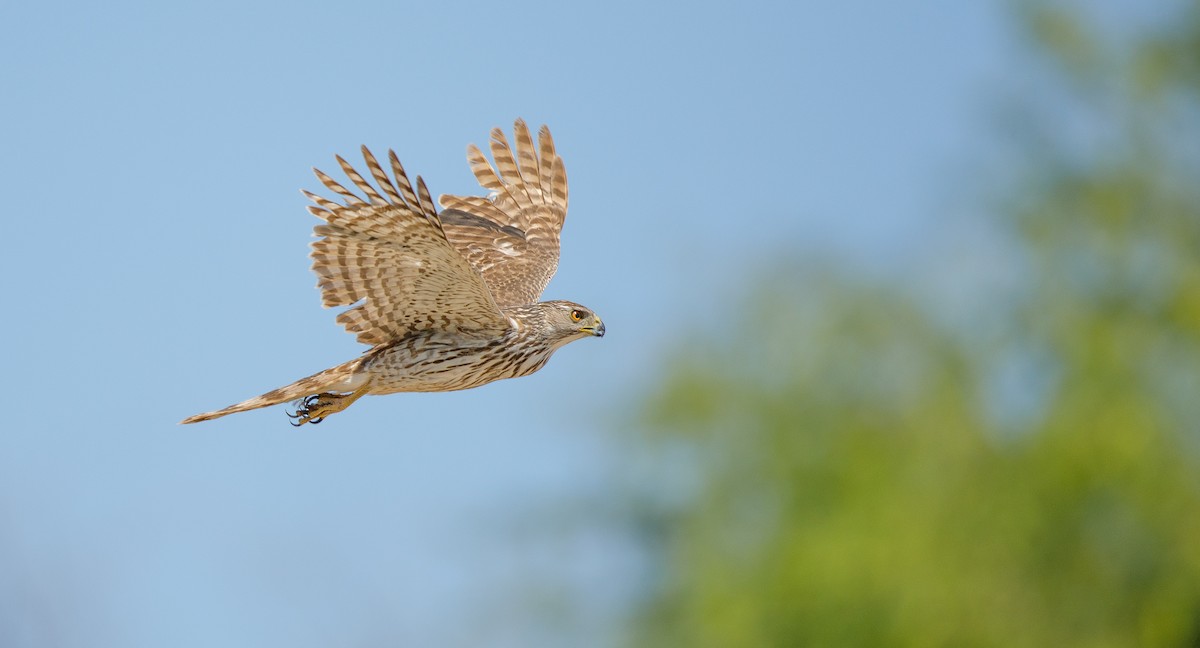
[568,321]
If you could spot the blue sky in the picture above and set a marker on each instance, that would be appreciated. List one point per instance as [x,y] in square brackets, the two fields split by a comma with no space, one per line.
[157,267]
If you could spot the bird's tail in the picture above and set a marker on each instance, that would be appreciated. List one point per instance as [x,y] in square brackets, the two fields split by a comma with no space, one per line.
[341,378]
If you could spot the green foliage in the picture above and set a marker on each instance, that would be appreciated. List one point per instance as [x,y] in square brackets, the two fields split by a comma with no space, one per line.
[848,485]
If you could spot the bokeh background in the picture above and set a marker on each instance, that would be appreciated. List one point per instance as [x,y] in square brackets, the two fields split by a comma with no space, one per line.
[903,304]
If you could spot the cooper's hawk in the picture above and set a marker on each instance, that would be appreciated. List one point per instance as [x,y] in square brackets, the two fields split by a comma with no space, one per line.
[447,301]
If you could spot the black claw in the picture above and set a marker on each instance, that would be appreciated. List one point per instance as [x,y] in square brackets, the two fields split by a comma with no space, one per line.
[304,407]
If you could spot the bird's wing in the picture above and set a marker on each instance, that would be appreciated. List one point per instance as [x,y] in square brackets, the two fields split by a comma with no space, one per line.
[388,258]
[511,236]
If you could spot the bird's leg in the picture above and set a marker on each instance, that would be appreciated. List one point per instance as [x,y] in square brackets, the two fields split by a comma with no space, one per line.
[314,409]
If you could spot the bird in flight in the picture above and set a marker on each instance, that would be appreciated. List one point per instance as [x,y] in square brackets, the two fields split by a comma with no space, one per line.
[448,300]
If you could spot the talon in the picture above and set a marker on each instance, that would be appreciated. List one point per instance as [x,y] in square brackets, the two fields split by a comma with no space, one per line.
[317,407]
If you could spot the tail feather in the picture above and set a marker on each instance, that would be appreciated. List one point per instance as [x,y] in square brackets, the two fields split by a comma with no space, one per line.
[341,378]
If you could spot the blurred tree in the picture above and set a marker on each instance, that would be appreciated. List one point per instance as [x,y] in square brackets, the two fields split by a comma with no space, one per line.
[841,477]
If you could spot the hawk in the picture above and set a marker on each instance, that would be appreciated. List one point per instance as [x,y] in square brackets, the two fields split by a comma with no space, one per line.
[448,300]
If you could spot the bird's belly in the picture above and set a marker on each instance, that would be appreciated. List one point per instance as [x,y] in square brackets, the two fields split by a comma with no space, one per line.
[436,365]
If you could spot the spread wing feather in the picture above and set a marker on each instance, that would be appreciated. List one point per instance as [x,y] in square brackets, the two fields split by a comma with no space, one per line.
[389,259]
[511,237]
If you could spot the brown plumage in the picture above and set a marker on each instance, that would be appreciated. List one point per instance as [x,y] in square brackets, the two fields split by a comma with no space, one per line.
[447,301]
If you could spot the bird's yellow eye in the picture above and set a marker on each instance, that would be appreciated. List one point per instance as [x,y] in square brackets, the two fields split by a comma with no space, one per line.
[576,315]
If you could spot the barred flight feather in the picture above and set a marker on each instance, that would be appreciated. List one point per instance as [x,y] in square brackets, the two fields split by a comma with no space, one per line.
[530,198]
[391,262]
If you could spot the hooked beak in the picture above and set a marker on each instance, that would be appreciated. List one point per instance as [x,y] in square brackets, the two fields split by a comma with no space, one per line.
[596,329]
